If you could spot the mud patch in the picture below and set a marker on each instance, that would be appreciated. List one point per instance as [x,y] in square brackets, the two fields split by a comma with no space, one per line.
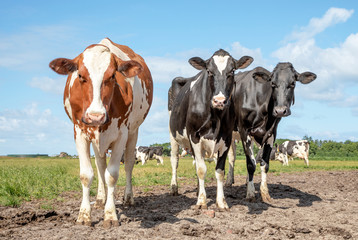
[310,205]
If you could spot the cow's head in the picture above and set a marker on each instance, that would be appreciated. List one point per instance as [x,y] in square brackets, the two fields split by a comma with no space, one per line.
[283,81]
[96,70]
[220,70]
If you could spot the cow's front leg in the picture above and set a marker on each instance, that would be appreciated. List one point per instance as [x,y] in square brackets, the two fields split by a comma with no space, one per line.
[174,159]
[101,165]
[265,168]
[220,175]
[250,164]
[201,173]
[86,176]
[111,176]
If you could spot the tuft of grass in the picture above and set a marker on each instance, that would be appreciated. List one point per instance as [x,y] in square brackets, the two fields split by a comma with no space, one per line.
[24,182]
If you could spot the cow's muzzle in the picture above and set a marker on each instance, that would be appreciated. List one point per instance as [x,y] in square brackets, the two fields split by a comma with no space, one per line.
[282,111]
[95,119]
[219,102]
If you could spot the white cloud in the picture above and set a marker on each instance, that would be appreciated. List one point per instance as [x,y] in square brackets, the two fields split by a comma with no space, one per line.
[165,69]
[34,130]
[30,49]
[336,67]
[155,127]
[318,25]
[48,84]
[237,51]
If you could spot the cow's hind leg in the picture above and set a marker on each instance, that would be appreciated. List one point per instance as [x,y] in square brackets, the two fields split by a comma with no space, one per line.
[129,159]
[232,156]
[86,176]
[174,159]
[250,164]
[220,176]
[201,173]
[101,165]
[265,163]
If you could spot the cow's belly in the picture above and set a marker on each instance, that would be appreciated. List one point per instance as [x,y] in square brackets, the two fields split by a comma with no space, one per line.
[212,147]
[209,148]
[183,139]
[299,152]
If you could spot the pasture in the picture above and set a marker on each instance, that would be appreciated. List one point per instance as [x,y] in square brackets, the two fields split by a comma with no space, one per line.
[315,202]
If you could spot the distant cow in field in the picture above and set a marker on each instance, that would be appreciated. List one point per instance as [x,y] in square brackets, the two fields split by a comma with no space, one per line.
[290,149]
[202,118]
[261,99]
[147,153]
[107,96]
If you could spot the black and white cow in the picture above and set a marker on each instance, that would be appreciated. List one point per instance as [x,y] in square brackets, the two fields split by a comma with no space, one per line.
[291,149]
[148,153]
[202,118]
[261,99]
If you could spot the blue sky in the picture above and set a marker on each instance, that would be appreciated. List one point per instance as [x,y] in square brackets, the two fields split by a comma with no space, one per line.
[316,36]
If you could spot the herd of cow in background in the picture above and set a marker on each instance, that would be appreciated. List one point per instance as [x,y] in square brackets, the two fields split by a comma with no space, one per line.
[108,94]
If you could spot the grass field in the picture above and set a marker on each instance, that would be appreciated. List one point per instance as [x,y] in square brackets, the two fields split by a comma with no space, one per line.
[26,179]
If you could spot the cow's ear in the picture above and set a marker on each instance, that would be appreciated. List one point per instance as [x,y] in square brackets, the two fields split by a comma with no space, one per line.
[197,63]
[261,77]
[243,62]
[63,66]
[306,77]
[129,68]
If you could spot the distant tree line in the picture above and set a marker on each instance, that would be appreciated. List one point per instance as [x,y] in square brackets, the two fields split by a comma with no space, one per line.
[318,148]
[329,148]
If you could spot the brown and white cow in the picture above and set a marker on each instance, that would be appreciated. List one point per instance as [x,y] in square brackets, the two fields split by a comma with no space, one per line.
[107,96]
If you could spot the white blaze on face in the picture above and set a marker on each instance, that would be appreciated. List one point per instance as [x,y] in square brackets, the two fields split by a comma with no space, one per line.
[219,96]
[220,62]
[96,60]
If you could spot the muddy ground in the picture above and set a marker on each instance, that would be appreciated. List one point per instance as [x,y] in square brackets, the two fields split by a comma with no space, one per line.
[310,205]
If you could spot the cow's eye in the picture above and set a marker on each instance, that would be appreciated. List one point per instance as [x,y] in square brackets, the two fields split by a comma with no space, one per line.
[108,81]
[210,74]
[274,85]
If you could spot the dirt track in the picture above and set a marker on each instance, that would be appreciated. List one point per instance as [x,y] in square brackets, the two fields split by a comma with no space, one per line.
[311,205]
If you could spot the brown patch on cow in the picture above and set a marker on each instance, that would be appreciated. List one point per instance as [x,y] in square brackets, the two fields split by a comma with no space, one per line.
[112,181]
[84,180]
[201,173]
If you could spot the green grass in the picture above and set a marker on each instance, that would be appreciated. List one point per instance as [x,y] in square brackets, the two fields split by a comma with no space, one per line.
[26,179]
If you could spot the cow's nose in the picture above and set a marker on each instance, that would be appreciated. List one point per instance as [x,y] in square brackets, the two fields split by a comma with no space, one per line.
[282,111]
[96,118]
[219,102]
